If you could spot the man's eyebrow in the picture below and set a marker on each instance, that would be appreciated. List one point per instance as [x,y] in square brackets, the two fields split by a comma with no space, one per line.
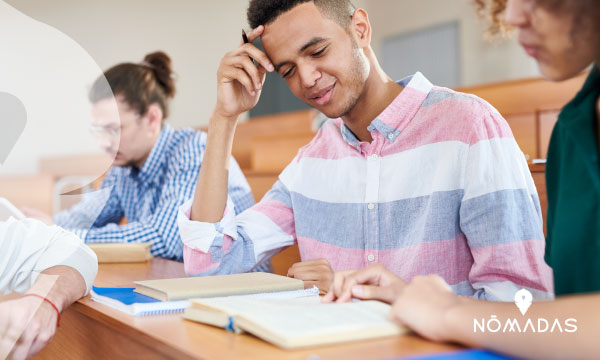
[314,41]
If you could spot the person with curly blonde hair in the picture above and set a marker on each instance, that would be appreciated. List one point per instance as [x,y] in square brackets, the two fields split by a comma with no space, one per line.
[562,36]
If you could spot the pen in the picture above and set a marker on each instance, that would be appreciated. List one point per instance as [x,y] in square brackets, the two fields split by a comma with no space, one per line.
[245,38]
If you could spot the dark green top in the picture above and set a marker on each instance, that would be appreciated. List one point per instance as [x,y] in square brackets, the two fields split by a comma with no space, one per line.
[573,186]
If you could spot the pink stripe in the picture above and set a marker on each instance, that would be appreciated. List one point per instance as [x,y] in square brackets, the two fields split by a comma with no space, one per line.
[420,259]
[328,144]
[402,110]
[279,213]
[520,262]
[467,121]
[197,262]
[339,258]
[450,121]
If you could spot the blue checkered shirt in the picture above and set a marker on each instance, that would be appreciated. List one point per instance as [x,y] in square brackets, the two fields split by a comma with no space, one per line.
[150,197]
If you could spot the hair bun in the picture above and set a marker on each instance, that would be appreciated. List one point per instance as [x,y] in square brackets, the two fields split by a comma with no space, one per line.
[161,66]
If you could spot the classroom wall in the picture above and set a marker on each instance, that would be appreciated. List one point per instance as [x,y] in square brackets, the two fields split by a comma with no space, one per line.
[197,34]
[482,60]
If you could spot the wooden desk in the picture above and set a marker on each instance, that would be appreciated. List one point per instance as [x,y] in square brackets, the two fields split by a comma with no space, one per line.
[90,330]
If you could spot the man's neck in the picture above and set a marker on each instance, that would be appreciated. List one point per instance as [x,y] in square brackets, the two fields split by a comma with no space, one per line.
[140,163]
[380,90]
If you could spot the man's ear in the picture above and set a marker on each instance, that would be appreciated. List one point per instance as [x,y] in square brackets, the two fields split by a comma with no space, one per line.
[360,28]
[154,116]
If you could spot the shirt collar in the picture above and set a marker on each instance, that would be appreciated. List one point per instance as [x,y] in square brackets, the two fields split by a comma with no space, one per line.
[398,114]
[150,170]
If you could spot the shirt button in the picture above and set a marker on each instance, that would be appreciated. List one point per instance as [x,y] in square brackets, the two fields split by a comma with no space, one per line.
[390,136]
[371,206]
[374,157]
[371,257]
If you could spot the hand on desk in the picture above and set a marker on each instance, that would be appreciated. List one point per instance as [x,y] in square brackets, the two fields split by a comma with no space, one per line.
[38,215]
[372,283]
[314,273]
[27,325]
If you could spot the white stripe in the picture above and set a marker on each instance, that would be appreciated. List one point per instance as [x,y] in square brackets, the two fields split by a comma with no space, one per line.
[420,82]
[373,174]
[267,237]
[412,173]
[494,165]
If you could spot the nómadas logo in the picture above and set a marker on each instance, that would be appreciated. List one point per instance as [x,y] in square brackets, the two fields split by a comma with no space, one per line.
[523,300]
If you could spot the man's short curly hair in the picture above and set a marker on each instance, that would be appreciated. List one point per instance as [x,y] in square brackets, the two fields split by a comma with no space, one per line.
[263,12]
[586,13]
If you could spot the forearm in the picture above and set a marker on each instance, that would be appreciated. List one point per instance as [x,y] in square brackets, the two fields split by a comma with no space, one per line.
[62,285]
[210,197]
[526,343]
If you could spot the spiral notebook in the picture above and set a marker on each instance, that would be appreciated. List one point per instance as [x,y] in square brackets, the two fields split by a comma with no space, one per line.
[132,303]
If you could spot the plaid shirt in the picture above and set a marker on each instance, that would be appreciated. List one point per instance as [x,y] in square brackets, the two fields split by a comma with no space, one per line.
[149,197]
[443,189]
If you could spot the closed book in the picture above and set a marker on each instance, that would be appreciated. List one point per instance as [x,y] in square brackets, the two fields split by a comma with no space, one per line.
[213,286]
[122,252]
[296,323]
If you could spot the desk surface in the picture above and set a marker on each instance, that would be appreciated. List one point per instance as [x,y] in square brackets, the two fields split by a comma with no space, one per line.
[102,332]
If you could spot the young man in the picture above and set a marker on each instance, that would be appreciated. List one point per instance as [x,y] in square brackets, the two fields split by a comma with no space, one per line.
[52,268]
[155,166]
[416,177]
[562,36]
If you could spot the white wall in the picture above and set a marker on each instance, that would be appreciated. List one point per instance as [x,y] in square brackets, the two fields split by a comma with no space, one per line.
[482,61]
[196,34]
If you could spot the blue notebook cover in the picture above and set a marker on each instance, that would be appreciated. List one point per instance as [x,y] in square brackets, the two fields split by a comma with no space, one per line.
[125,295]
[470,354]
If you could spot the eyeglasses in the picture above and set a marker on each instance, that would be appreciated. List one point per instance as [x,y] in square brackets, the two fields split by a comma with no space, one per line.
[109,130]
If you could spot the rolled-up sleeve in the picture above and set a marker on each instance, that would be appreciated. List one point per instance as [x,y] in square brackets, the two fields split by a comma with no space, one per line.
[29,247]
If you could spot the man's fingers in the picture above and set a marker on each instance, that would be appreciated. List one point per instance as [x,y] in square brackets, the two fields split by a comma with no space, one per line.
[308,274]
[370,292]
[256,54]
[244,63]
[239,75]
[255,33]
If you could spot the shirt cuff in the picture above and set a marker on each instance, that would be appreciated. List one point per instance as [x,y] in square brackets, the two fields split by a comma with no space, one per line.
[199,235]
[68,250]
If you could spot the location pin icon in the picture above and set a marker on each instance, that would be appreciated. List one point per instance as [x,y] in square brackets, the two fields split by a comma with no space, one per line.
[523,300]
[12,123]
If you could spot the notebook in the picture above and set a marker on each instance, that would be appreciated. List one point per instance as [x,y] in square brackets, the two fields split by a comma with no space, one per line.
[469,354]
[8,210]
[132,303]
[121,252]
[294,323]
[213,286]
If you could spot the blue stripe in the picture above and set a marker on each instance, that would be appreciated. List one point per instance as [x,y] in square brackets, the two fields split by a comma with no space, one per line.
[401,223]
[501,217]
[438,96]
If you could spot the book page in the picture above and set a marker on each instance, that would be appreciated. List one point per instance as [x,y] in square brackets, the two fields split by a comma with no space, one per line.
[307,317]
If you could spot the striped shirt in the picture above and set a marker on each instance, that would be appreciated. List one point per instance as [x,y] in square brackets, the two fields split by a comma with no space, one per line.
[443,189]
[149,197]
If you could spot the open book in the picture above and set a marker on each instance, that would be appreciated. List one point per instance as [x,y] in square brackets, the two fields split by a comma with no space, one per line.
[212,286]
[293,323]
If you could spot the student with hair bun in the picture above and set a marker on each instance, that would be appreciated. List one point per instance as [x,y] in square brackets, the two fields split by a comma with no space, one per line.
[155,166]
